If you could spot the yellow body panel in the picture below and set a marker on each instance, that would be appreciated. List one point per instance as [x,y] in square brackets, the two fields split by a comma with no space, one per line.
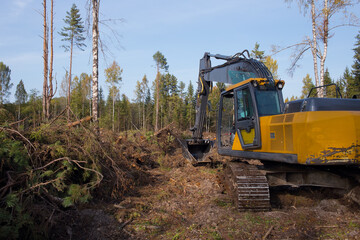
[318,137]
[236,144]
[248,137]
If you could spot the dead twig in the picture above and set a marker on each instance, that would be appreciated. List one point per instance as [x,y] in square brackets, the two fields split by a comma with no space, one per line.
[125,224]
[268,232]
[62,112]
[53,161]
[18,133]
[92,170]
[14,123]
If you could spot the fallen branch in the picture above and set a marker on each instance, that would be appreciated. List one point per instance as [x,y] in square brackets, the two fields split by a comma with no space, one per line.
[78,122]
[268,232]
[14,123]
[53,161]
[62,112]
[22,136]
[125,223]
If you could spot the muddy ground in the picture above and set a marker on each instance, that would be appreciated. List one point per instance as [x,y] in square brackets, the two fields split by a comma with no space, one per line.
[180,201]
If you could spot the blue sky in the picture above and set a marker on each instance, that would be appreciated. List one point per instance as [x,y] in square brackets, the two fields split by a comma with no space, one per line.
[181,30]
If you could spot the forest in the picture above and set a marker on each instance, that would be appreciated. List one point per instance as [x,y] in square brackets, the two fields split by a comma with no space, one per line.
[79,163]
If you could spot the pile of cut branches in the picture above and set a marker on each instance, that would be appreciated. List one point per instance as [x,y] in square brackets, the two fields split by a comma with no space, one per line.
[52,168]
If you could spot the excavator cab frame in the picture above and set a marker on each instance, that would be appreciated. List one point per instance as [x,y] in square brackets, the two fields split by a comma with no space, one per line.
[251,100]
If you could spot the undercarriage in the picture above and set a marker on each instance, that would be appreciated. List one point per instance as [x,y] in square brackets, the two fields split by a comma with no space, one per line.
[250,181]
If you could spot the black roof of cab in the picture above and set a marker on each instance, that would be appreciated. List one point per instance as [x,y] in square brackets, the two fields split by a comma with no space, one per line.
[322,104]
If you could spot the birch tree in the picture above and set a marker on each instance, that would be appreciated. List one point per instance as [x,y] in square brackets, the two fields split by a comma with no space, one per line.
[323,15]
[113,78]
[95,53]
[140,93]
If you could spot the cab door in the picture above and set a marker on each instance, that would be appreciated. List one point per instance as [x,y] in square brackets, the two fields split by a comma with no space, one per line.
[246,118]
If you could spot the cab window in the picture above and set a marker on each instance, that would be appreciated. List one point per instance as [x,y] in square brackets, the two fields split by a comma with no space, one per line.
[267,102]
[244,104]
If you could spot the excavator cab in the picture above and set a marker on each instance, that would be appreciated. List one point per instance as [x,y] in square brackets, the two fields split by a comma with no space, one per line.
[240,107]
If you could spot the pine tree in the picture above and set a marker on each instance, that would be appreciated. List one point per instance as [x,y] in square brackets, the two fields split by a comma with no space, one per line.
[308,85]
[269,62]
[329,91]
[5,83]
[353,87]
[73,34]
[257,54]
[161,63]
[190,105]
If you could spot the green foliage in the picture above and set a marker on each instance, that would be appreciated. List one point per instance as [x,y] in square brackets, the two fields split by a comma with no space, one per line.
[160,60]
[81,95]
[269,62]
[5,83]
[11,200]
[76,194]
[20,94]
[39,135]
[353,87]
[13,154]
[257,54]
[307,86]
[74,29]
[15,223]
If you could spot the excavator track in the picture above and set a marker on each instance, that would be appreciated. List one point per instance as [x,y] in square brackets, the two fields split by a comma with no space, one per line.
[249,187]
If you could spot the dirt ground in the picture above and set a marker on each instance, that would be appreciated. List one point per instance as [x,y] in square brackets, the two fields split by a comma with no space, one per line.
[181,201]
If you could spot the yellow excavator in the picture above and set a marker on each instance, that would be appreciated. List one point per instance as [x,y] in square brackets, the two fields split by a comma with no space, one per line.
[306,142]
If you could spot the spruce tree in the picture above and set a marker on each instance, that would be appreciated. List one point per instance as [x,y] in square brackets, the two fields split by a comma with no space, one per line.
[353,86]
[21,96]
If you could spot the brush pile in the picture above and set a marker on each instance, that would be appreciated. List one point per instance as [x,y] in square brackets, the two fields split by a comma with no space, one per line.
[53,168]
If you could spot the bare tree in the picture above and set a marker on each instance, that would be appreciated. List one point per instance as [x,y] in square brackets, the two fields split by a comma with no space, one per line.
[50,92]
[45,57]
[322,11]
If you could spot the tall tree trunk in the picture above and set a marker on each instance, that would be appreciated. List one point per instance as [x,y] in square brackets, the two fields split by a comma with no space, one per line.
[69,83]
[113,113]
[144,117]
[326,34]
[314,42]
[45,49]
[50,92]
[139,120]
[95,51]
[19,116]
[157,100]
